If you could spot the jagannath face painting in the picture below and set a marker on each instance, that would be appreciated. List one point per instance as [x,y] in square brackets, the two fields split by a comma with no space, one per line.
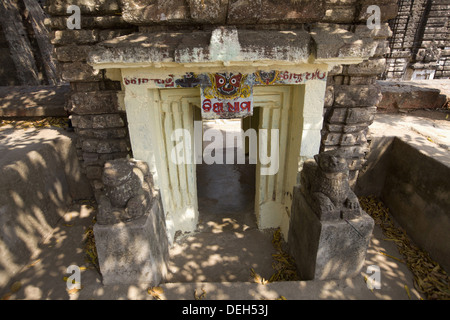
[228,84]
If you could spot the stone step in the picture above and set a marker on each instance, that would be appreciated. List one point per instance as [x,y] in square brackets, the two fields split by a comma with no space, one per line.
[410,95]
[40,177]
[33,101]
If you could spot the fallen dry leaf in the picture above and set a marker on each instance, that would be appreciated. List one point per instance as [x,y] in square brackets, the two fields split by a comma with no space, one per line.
[6,296]
[284,264]
[429,278]
[155,292]
[34,263]
[199,297]
[257,278]
[407,292]
[16,286]
[74,290]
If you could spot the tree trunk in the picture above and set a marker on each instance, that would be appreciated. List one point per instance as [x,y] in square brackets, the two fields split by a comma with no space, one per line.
[37,17]
[18,42]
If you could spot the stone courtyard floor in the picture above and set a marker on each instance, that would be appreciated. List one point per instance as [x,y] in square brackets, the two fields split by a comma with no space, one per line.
[46,274]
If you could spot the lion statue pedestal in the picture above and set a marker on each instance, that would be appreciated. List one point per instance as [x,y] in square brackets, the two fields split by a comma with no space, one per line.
[328,232]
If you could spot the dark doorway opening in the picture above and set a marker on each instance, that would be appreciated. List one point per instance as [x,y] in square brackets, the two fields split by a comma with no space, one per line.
[226,191]
[227,244]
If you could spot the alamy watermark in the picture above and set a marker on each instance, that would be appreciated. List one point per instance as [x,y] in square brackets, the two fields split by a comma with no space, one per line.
[374,280]
[220,149]
[373,22]
[74,21]
[74,281]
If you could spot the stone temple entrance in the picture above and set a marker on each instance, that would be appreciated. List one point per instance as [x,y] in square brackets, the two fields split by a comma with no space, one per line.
[293,112]
[237,201]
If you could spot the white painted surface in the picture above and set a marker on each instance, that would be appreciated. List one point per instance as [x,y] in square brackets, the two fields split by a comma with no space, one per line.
[153,114]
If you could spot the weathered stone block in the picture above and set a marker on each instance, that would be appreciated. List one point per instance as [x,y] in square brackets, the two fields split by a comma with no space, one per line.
[326,250]
[349,139]
[104,145]
[130,233]
[65,37]
[331,138]
[134,252]
[350,151]
[112,146]
[97,121]
[213,12]
[356,95]
[334,41]
[407,96]
[107,121]
[154,11]
[108,133]
[85,86]
[59,7]
[336,70]
[244,11]
[222,44]
[360,115]
[345,128]
[340,14]
[383,49]
[343,139]
[72,53]
[383,32]
[90,158]
[338,115]
[355,80]
[291,46]
[94,172]
[368,67]
[78,71]
[293,12]
[95,102]
[104,35]
[352,115]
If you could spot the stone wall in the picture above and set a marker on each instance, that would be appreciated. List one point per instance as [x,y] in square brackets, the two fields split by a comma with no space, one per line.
[351,100]
[420,43]
[96,110]
[98,120]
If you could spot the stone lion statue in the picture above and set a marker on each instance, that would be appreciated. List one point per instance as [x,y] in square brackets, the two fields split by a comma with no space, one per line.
[324,182]
[128,192]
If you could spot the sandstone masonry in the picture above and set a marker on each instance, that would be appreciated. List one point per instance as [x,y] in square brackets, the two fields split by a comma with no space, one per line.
[421,41]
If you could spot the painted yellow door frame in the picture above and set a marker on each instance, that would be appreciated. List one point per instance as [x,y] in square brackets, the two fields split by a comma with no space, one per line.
[297,111]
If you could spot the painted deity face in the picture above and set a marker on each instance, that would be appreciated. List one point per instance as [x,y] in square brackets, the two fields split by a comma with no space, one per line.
[267,77]
[228,84]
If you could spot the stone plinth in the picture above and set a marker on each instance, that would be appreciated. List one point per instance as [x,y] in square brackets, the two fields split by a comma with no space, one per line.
[326,250]
[134,252]
[130,234]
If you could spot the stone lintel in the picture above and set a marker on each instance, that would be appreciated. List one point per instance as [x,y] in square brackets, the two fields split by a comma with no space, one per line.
[334,42]
[226,45]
